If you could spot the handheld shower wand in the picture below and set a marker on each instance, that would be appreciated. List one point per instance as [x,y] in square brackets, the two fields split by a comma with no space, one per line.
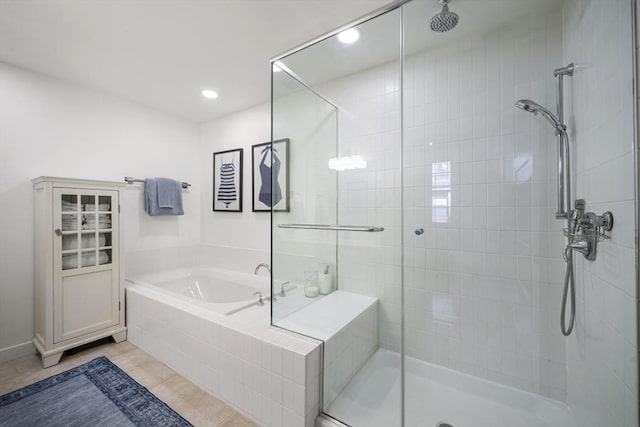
[564,188]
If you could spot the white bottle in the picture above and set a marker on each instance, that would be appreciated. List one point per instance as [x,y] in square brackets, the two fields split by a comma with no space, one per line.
[325,279]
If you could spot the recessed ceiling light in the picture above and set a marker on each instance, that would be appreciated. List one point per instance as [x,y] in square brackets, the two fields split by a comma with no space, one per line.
[349,36]
[208,93]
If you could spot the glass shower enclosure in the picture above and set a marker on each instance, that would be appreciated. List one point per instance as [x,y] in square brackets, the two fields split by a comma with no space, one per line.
[413,227]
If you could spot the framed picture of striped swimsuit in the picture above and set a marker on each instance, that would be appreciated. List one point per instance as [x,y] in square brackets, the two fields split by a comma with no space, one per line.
[227,181]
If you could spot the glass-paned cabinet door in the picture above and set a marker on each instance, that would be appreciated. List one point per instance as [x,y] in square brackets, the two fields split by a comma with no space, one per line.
[84,221]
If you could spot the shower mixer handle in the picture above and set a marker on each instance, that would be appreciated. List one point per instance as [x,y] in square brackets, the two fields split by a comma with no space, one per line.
[585,230]
[582,246]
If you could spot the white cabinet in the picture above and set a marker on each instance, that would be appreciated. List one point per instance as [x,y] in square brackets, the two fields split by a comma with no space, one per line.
[79,284]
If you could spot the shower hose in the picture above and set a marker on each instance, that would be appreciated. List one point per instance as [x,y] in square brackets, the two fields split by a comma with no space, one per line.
[569,286]
[572,227]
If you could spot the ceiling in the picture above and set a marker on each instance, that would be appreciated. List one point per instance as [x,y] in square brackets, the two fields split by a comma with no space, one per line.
[162,53]
[380,38]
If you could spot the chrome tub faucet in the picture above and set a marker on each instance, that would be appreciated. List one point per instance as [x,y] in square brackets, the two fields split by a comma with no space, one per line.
[262,265]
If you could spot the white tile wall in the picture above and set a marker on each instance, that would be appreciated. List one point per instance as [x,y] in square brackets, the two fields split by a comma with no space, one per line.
[347,324]
[479,294]
[269,375]
[602,351]
[309,122]
[369,125]
[347,351]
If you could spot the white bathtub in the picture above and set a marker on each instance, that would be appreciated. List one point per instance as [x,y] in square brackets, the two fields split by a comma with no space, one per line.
[222,291]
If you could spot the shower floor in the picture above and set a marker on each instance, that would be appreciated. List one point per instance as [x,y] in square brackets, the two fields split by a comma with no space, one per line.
[438,395]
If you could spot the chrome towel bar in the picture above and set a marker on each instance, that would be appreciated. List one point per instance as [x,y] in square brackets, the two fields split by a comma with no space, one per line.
[131,180]
[365,228]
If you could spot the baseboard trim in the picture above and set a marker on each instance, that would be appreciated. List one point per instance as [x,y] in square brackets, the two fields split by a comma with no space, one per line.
[16,351]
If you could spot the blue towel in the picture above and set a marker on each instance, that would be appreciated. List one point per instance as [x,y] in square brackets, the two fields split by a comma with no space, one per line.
[151,199]
[168,191]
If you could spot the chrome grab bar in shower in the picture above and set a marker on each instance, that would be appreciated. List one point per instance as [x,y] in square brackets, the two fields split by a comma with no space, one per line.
[365,228]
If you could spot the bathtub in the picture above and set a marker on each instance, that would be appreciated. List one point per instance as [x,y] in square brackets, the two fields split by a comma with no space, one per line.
[223,292]
[237,358]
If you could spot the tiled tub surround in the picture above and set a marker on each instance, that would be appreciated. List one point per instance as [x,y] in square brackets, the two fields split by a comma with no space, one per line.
[268,374]
[348,325]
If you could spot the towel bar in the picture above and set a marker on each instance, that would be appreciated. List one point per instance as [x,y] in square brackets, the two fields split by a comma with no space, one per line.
[365,228]
[131,180]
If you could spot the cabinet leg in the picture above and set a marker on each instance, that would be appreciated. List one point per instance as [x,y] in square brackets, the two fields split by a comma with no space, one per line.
[50,360]
[120,336]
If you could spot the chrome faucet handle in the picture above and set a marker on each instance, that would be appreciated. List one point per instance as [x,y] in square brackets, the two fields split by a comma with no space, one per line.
[260,301]
[282,294]
[606,221]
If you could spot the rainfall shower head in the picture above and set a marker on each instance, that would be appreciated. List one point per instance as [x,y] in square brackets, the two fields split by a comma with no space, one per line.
[445,20]
[535,108]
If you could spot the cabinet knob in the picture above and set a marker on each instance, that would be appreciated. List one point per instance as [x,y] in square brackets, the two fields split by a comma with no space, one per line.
[58,232]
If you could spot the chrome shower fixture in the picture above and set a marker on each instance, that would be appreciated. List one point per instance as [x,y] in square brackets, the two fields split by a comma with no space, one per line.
[586,230]
[445,20]
[535,108]
[564,190]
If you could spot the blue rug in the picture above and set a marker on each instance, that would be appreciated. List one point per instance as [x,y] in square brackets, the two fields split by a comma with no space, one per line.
[97,393]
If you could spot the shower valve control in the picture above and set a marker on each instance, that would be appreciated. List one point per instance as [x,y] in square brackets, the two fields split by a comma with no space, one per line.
[586,229]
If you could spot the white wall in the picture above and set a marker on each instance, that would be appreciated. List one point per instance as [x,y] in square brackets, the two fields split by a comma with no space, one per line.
[247,230]
[48,127]
[602,351]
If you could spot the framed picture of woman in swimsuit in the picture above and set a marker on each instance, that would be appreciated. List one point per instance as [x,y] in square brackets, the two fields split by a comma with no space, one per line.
[227,181]
[270,176]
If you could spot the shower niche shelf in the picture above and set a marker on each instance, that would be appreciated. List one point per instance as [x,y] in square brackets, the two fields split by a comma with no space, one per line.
[78,270]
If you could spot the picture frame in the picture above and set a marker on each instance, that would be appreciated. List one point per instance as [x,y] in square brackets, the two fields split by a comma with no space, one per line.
[227,180]
[262,196]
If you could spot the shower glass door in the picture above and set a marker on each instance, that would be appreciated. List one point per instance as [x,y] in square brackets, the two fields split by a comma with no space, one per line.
[417,238]
[304,134]
[338,104]
[482,250]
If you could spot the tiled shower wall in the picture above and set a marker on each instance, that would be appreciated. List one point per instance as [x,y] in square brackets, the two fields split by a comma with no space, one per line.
[602,351]
[483,284]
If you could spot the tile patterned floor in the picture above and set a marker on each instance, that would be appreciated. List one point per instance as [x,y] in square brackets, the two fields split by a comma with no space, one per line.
[190,401]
